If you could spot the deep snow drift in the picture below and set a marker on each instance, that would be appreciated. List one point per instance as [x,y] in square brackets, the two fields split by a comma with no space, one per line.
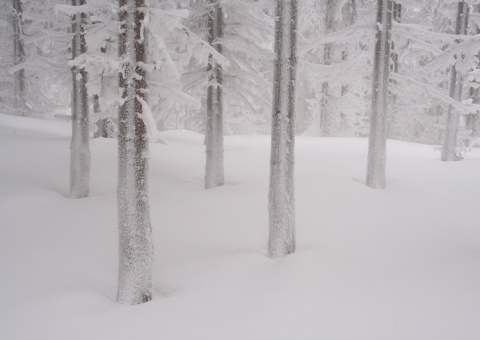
[398,264]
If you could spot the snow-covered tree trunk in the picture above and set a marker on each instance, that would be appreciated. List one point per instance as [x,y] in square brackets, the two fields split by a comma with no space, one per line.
[325,110]
[397,17]
[352,17]
[449,146]
[281,194]
[79,147]
[135,283]
[214,170]
[472,120]
[19,57]
[377,141]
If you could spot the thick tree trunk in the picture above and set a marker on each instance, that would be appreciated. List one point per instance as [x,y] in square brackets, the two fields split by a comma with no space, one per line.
[19,57]
[214,170]
[377,141]
[135,283]
[325,110]
[281,194]
[79,147]
[449,146]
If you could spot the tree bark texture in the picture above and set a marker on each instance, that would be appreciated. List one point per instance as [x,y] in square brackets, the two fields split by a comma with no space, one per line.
[281,193]
[19,58]
[325,109]
[377,141]
[135,283]
[79,147]
[449,146]
[214,169]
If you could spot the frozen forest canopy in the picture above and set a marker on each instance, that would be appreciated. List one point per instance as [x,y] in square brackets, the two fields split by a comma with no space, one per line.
[131,70]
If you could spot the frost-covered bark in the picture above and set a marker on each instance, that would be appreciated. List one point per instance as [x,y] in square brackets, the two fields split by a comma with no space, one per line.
[449,146]
[79,147]
[377,141]
[281,203]
[214,171]
[19,57]
[135,231]
[325,109]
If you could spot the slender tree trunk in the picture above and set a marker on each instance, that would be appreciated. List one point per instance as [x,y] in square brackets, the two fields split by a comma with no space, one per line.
[281,194]
[352,17]
[214,170]
[19,57]
[473,119]
[449,146]
[101,123]
[325,110]
[397,17]
[377,141]
[135,283]
[79,147]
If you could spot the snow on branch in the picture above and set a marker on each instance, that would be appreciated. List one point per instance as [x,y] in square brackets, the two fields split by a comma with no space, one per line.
[149,121]
[460,107]
[71,11]
[351,33]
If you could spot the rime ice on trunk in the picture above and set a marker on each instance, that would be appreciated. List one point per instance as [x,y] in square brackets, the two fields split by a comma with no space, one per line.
[449,146]
[325,110]
[19,57]
[214,172]
[281,200]
[377,141]
[135,283]
[79,147]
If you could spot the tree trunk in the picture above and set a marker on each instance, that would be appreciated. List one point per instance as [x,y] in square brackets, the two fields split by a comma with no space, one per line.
[214,170]
[281,194]
[449,146]
[135,283]
[19,57]
[472,120]
[79,147]
[397,17]
[377,141]
[325,110]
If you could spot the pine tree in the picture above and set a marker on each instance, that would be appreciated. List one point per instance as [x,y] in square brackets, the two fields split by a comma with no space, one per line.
[281,194]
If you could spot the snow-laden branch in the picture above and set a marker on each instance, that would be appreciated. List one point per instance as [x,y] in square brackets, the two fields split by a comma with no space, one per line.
[460,107]
[149,121]
[71,11]
[352,33]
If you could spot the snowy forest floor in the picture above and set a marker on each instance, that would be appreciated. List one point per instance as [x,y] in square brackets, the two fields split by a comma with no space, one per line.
[398,264]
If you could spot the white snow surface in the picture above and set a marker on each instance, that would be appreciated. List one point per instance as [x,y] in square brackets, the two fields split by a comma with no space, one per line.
[396,264]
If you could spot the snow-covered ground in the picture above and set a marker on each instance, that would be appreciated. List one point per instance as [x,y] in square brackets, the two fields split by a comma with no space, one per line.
[398,264]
